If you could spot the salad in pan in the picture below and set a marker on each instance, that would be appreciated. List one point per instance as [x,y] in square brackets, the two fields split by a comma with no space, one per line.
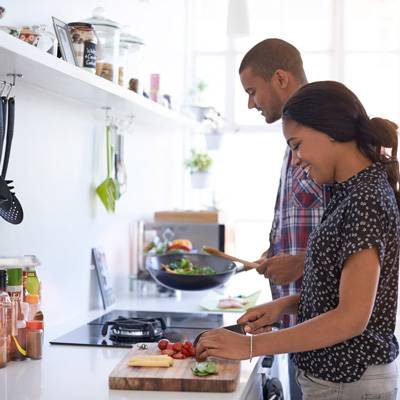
[185,267]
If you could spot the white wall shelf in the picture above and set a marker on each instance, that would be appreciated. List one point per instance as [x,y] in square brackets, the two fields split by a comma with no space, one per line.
[57,76]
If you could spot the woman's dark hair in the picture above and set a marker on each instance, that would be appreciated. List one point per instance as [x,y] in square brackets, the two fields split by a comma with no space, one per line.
[331,108]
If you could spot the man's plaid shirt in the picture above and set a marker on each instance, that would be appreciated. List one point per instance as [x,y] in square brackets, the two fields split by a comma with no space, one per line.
[299,206]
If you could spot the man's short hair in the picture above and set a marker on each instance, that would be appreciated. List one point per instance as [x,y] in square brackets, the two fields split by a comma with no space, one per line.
[272,54]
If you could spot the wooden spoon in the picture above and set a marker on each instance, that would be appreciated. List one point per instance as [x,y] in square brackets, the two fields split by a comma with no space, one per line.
[218,253]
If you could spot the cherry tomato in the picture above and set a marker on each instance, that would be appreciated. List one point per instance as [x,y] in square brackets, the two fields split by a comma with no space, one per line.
[192,351]
[178,356]
[163,343]
[168,352]
[186,352]
[170,346]
[178,346]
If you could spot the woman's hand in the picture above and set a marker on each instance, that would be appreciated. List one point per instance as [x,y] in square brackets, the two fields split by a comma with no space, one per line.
[224,344]
[259,319]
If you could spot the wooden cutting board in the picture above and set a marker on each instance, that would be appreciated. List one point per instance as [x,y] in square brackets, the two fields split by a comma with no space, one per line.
[205,217]
[179,377]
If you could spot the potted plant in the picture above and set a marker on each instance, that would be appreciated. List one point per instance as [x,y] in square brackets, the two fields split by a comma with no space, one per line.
[212,129]
[198,106]
[199,164]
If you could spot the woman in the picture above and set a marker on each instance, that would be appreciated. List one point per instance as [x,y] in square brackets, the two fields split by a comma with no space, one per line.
[344,341]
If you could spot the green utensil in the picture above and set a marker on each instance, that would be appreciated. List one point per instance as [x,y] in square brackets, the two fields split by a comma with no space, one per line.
[107,190]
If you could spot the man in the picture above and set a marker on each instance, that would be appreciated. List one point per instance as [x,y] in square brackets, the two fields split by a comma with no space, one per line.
[270,73]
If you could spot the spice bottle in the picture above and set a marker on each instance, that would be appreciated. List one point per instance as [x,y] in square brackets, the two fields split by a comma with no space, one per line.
[32,284]
[5,309]
[154,87]
[14,289]
[34,339]
[18,342]
[34,306]
[18,325]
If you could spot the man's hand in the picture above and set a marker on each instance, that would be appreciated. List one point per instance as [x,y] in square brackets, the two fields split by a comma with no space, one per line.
[282,268]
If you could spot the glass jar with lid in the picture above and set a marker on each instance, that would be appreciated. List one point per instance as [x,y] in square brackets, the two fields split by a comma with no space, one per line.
[84,42]
[130,61]
[108,35]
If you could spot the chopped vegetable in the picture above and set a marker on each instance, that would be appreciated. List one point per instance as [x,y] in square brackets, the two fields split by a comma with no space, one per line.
[177,350]
[204,368]
[185,267]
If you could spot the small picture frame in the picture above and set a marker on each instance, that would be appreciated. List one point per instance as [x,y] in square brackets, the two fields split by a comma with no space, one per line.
[64,41]
[100,264]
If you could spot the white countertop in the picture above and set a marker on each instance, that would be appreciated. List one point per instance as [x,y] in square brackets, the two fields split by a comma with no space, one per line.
[81,372]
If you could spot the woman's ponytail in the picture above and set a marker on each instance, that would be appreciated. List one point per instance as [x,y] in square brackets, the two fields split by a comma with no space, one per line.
[332,108]
[377,139]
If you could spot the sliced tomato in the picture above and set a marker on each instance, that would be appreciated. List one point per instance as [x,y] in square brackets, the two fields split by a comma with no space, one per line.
[178,356]
[168,352]
[186,352]
[178,346]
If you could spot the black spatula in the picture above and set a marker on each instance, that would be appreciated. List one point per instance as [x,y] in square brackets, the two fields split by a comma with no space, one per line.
[5,195]
[10,207]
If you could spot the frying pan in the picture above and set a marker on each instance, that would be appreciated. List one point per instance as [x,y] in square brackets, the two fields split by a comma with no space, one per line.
[224,270]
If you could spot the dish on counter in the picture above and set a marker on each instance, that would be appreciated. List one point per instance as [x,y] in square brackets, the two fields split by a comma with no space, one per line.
[232,302]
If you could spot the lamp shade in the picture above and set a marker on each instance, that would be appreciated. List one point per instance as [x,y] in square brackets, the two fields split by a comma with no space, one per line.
[238,18]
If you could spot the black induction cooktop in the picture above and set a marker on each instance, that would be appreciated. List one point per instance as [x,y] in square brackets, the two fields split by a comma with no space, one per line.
[179,327]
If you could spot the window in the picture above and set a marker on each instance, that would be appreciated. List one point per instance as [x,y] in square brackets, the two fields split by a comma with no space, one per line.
[371,56]
[356,42]
[353,41]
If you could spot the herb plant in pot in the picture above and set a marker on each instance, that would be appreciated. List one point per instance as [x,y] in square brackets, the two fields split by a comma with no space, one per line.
[212,127]
[199,165]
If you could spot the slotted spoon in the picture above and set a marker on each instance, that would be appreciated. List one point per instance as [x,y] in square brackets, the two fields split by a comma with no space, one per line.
[10,207]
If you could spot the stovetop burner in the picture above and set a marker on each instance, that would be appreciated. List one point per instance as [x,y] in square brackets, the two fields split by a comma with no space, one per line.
[130,330]
[103,331]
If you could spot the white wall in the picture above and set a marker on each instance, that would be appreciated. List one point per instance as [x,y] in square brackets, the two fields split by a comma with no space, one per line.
[57,160]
